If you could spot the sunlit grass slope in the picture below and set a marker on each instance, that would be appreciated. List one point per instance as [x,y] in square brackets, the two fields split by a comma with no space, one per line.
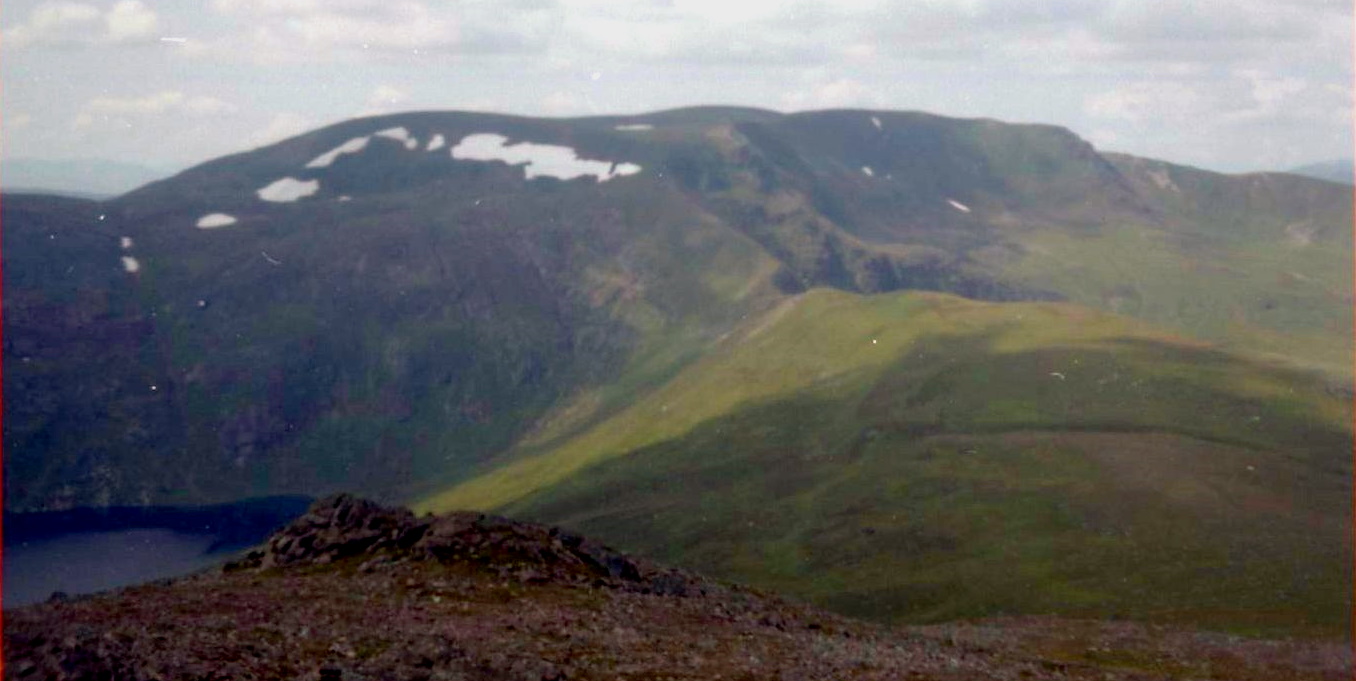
[1268,295]
[925,457]
[1257,262]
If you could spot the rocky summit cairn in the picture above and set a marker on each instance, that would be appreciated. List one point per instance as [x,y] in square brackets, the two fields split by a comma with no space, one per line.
[344,527]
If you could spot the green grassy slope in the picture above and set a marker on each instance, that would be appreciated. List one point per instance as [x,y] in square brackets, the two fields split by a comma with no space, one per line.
[924,457]
[1253,262]
[422,320]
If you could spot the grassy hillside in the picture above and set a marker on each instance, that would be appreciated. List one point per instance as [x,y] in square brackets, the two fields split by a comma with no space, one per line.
[924,457]
[421,320]
[1258,262]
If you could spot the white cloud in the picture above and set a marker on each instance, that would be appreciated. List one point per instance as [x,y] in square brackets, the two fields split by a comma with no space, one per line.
[310,29]
[54,22]
[385,98]
[838,93]
[280,127]
[1242,97]
[119,109]
[1149,101]
[1191,80]
[1247,113]
[131,20]
[561,103]
[74,23]
[207,106]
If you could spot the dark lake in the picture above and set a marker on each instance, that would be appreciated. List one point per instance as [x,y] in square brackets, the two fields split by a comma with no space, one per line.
[89,550]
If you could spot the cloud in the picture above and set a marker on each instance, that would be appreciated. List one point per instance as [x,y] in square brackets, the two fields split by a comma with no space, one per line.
[120,110]
[1258,113]
[130,20]
[1244,96]
[280,127]
[560,103]
[838,93]
[312,30]
[1151,101]
[1193,80]
[386,97]
[75,23]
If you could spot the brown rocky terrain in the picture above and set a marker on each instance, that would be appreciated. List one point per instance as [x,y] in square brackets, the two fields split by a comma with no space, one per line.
[353,590]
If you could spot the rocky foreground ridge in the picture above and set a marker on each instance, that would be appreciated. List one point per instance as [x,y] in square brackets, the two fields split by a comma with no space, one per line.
[353,590]
[344,527]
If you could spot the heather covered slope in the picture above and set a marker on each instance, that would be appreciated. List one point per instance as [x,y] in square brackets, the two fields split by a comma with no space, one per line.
[354,590]
[924,457]
[363,308]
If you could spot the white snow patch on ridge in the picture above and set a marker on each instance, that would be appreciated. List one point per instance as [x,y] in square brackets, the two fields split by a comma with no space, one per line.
[288,189]
[633,127]
[438,142]
[547,160]
[130,264]
[399,134]
[352,146]
[867,171]
[1161,178]
[876,122]
[958,205]
[215,220]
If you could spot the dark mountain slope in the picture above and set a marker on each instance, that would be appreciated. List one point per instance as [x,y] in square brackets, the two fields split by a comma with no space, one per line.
[363,309]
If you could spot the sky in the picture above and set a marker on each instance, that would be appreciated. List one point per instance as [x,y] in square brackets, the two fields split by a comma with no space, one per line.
[1229,85]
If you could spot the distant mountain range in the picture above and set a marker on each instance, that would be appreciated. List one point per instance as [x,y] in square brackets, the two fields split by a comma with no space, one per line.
[907,366]
[79,178]
[1333,171]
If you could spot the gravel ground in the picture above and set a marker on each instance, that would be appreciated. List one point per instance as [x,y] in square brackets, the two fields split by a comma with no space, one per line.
[355,591]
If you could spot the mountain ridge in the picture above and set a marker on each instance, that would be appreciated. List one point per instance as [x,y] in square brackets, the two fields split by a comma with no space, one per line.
[446,307]
[1337,170]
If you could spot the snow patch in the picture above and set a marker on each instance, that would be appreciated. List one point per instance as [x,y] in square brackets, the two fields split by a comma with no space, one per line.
[540,160]
[867,171]
[352,146]
[399,134]
[1163,180]
[345,198]
[438,142]
[125,242]
[958,205]
[876,122]
[633,127]
[130,264]
[288,189]
[215,220]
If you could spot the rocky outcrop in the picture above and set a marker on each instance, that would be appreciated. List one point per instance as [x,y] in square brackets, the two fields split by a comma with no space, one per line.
[354,591]
[344,527]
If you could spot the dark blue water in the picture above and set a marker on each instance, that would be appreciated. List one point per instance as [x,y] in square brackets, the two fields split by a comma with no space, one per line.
[88,550]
